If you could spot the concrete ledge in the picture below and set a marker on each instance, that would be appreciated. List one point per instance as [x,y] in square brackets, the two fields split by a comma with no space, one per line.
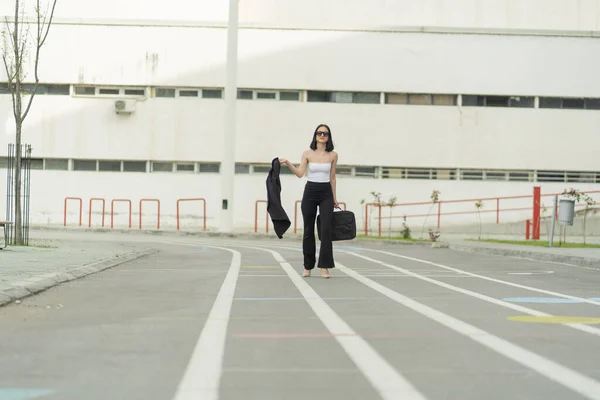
[39,284]
[533,255]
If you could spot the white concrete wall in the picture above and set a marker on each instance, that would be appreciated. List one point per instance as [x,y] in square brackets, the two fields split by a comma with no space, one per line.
[512,14]
[377,135]
[49,189]
[324,60]
[329,46]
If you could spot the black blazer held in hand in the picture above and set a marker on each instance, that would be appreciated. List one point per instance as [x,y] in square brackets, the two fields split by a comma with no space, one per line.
[280,220]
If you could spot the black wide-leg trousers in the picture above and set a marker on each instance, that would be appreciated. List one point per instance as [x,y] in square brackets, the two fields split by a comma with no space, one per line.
[317,194]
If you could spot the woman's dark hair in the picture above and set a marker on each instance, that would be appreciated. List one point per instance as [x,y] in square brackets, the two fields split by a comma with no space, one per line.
[329,145]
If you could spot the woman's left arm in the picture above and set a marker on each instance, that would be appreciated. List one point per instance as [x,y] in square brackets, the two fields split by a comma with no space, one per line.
[332,179]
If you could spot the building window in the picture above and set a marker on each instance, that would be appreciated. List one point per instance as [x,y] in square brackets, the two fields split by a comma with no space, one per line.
[343,170]
[165,92]
[415,173]
[188,93]
[242,168]
[266,95]
[85,90]
[208,168]
[108,91]
[112,166]
[365,171]
[366,98]
[550,102]
[56,164]
[135,92]
[158,166]
[396,98]
[134,166]
[577,104]
[521,101]
[420,99]
[289,96]
[519,176]
[184,167]
[592,104]
[471,175]
[444,99]
[550,176]
[344,97]
[245,95]
[212,94]
[84,165]
[495,175]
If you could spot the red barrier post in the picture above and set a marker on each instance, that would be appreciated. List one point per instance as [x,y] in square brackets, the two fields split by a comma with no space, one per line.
[537,203]
[80,209]
[256,216]
[192,199]
[90,210]
[380,220]
[498,210]
[158,218]
[527,227]
[439,213]
[296,213]
[112,211]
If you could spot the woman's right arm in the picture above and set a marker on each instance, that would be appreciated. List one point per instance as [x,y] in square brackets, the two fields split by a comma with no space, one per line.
[301,169]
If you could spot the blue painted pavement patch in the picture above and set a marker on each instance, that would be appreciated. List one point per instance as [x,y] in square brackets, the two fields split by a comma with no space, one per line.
[23,393]
[302,298]
[547,300]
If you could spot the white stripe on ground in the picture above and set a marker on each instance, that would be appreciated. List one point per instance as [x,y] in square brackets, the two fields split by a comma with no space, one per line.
[569,378]
[388,382]
[202,377]
[580,327]
[566,296]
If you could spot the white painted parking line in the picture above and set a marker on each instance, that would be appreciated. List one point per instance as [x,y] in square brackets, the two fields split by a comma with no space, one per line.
[388,382]
[567,377]
[580,327]
[202,377]
[566,296]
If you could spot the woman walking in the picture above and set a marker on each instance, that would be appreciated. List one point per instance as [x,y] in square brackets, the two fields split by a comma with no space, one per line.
[320,191]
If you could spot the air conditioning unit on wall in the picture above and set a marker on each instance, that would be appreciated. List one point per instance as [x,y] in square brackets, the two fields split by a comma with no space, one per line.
[125,106]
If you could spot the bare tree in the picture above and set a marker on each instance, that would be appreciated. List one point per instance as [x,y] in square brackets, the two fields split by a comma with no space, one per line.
[16,44]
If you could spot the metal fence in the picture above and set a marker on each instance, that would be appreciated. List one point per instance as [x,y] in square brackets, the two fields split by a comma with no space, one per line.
[11,192]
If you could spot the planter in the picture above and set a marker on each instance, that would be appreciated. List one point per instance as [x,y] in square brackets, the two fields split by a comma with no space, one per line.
[566,212]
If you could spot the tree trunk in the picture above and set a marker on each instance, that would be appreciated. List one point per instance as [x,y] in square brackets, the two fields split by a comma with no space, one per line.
[18,209]
[584,219]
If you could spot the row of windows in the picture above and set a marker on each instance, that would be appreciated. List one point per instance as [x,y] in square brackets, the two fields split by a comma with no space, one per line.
[465,100]
[64,164]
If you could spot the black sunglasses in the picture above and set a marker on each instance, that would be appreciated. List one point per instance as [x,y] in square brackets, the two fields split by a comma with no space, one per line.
[322,133]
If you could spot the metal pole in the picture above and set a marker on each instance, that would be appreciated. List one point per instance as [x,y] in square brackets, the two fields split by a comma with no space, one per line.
[554,205]
[228,163]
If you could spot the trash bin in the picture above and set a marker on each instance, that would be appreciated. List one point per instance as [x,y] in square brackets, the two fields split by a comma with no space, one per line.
[566,212]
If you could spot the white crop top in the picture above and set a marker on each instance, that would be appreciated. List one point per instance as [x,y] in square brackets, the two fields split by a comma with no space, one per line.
[319,172]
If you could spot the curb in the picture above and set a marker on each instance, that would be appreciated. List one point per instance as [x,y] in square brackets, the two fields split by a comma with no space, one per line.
[534,255]
[38,284]
[288,236]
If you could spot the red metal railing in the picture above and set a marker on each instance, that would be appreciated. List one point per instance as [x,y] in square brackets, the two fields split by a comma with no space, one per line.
[535,208]
[90,210]
[112,210]
[80,209]
[256,216]
[192,199]
[158,205]
[296,212]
